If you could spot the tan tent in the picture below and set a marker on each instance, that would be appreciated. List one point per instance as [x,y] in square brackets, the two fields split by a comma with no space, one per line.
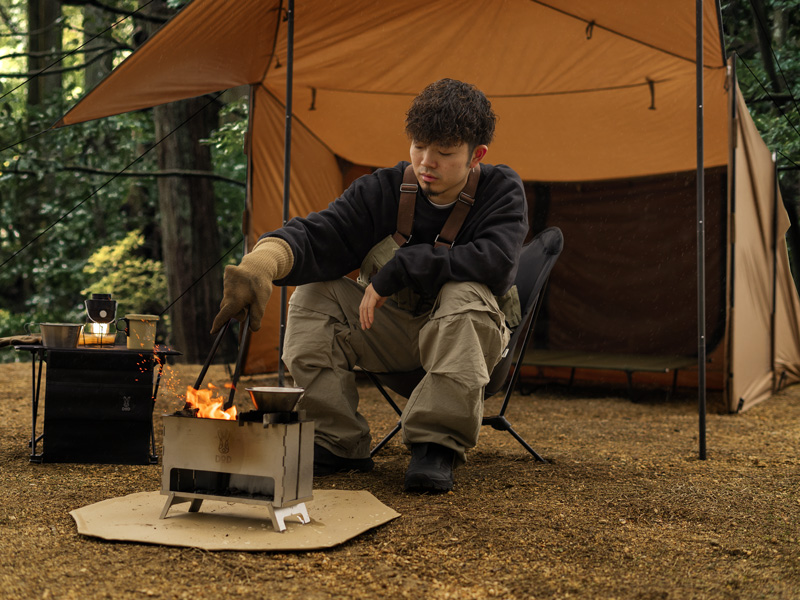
[596,105]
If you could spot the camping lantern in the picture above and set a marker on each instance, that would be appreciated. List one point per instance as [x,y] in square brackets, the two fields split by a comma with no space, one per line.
[101,310]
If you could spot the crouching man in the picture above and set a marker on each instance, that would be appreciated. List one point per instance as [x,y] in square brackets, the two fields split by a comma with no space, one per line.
[437,243]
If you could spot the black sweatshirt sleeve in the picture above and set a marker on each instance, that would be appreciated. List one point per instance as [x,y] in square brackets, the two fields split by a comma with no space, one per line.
[333,242]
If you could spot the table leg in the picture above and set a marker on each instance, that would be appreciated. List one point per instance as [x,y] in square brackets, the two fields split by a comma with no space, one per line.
[153,455]
[36,383]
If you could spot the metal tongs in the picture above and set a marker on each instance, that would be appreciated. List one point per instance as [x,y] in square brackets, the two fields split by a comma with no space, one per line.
[245,338]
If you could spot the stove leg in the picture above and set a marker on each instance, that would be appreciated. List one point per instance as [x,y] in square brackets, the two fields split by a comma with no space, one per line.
[172,499]
[153,458]
[279,514]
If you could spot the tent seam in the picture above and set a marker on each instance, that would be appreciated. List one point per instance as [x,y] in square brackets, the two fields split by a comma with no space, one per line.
[272,53]
[305,127]
[622,35]
[532,95]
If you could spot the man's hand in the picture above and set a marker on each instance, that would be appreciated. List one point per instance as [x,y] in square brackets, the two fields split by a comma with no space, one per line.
[248,285]
[369,303]
[243,291]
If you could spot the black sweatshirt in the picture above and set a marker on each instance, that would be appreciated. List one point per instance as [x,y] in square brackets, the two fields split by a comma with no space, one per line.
[333,242]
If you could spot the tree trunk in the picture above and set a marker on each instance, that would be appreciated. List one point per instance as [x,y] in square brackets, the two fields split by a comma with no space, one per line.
[44,48]
[190,237]
[99,65]
[762,27]
[188,219]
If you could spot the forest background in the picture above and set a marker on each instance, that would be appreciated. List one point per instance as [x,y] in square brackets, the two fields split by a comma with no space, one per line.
[148,205]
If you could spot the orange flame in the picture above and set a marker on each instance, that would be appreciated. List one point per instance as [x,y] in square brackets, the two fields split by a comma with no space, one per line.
[209,405]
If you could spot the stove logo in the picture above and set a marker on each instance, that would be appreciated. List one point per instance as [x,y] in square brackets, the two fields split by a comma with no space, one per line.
[126,404]
[224,446]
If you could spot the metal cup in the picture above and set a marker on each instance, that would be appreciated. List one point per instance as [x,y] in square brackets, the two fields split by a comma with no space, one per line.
[140,331]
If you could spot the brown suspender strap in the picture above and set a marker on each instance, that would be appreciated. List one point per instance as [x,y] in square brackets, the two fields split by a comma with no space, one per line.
[405,212]
[408,199]
[464,202]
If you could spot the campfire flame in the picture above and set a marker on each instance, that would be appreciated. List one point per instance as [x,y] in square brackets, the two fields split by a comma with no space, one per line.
[209,405]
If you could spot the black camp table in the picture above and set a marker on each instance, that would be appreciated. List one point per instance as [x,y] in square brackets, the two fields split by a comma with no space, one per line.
[90,379]
[629,363]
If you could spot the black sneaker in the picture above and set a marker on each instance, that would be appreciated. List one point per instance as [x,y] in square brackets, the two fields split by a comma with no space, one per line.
[430,469]
[327,463]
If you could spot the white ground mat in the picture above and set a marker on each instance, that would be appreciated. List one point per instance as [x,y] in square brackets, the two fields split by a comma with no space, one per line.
[336,516]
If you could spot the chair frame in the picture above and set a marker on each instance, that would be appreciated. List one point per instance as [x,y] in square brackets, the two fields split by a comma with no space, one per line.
[524,332]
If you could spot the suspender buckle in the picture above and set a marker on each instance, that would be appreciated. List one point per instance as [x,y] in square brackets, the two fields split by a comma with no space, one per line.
[465,198]
[438,243]
[400,239]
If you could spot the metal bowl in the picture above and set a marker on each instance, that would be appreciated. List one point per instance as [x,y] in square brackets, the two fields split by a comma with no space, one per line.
[60,335]
[275,399]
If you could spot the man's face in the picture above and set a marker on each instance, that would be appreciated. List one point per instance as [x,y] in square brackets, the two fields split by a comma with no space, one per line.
[442,171]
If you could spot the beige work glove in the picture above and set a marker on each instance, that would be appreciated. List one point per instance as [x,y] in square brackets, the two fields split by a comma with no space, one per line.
[21,340]
[248,285]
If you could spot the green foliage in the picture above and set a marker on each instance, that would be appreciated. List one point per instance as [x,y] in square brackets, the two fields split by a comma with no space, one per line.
[11,324]
[137,283]
[67,192]
[764,36]
[69,196]
[769,80]
[6,323]
[52,215]
[227,152]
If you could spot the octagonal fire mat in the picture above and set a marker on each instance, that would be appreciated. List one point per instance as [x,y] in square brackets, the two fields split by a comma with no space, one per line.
[336,516]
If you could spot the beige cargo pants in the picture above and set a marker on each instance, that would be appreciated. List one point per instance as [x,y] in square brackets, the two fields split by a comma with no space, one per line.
[458,343]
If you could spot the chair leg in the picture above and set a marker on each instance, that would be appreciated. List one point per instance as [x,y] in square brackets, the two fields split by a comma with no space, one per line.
[674,388]
[385,440]
[383,392]
[393,404]
[500,423]
[629,376]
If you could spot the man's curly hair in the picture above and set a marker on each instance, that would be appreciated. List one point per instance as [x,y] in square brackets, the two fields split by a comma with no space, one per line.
[449,112]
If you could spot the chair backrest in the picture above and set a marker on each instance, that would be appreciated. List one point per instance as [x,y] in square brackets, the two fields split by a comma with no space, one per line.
[535,263]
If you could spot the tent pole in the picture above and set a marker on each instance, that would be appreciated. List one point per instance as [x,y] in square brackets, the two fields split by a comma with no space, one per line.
[733,133]
[287,161]
[774,270]
[701,242]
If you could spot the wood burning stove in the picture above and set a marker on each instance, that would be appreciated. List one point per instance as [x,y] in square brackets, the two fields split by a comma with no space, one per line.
[264,456]
[260,458]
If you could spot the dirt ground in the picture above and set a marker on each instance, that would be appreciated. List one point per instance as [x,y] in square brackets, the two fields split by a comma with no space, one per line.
[623,509]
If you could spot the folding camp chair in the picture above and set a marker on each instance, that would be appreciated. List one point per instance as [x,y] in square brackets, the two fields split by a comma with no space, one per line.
[536,261]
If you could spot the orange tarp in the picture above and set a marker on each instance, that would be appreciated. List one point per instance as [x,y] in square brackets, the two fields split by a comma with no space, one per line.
[584,91]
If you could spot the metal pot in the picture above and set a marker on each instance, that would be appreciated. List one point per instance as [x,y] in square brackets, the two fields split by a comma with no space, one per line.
[265,399]
[59,335]
[275,399]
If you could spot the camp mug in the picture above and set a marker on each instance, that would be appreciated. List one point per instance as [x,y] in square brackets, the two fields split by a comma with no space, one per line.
[140,331]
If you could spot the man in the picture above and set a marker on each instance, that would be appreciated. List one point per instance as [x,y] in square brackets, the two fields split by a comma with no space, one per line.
[421,300]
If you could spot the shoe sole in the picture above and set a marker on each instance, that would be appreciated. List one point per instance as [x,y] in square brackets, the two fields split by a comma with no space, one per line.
[422,483]
[323,470]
